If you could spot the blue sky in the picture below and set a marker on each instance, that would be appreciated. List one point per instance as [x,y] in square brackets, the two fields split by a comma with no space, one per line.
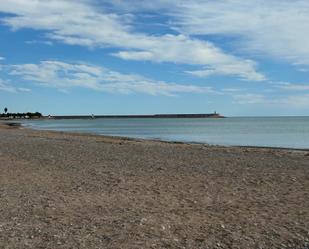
[162,56]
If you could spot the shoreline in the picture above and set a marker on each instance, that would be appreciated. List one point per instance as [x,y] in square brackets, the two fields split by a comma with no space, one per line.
[67,190]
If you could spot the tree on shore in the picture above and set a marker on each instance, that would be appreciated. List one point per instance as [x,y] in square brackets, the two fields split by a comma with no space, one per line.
[5,110]
[31,115]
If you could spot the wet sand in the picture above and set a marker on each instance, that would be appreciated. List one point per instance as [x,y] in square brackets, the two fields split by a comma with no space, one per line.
[65,190]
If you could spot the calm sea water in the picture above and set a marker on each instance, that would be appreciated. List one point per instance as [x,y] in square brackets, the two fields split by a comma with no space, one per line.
[288,132]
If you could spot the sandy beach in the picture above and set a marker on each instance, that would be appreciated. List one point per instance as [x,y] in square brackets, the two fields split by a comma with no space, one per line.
[65,190]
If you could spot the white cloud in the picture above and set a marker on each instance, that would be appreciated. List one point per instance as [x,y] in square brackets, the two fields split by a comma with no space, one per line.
[296,101]
[244,71]
[181,49]
[34,42]
[7,87]
[87,26]
[64,76]
[22,89]
[300,101]
[249,98]
[293,87]
[2,58]
[274,27]
[232,90]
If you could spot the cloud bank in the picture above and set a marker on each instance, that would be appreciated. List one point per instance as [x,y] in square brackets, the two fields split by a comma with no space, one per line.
[64,76]
[277,28]
[98,27]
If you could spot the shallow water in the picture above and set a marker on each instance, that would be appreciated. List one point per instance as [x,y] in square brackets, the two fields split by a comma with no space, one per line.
[287,132]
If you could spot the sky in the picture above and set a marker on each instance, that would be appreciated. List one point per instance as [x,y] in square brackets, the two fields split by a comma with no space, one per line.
[236,57]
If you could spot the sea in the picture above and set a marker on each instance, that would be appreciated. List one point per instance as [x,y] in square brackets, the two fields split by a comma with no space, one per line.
[282,132]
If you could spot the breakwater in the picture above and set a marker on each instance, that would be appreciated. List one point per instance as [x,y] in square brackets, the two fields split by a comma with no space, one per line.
[211,115]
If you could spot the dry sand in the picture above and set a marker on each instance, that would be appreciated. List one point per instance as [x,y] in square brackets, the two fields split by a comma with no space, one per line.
[60,190]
